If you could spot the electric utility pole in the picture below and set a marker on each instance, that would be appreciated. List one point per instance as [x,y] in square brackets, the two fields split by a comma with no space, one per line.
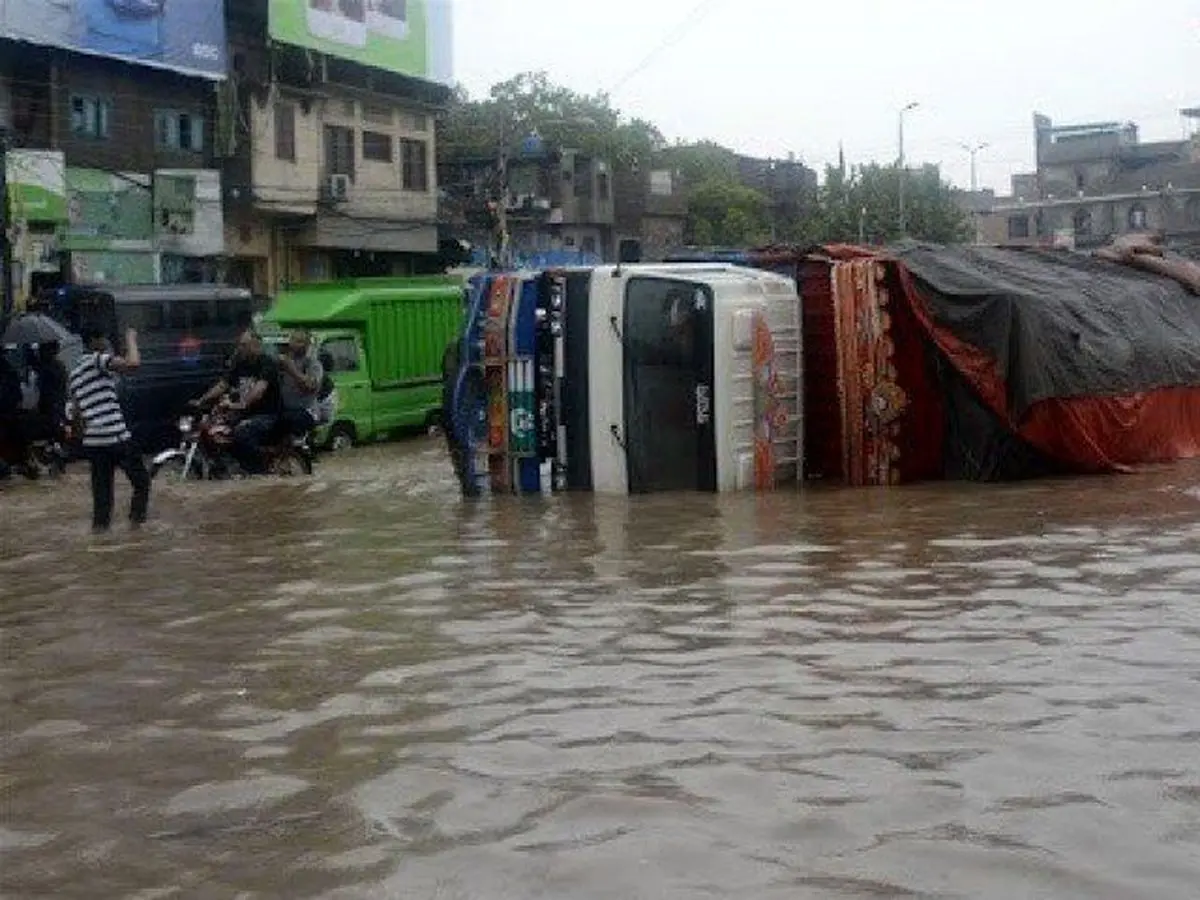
[6,254]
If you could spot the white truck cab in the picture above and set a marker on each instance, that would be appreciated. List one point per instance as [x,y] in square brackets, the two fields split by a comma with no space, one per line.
[630,379]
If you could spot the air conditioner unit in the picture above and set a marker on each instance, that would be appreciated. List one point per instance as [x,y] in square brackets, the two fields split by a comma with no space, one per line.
[337,188]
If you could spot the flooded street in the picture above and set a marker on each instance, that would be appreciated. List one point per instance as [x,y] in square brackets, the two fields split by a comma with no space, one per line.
[360,687]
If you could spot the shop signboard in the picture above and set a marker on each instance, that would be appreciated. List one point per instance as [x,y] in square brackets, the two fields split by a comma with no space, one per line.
[37,189]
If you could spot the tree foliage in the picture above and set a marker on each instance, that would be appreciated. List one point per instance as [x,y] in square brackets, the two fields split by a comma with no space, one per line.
[724,213]
[864,204]
[531,103]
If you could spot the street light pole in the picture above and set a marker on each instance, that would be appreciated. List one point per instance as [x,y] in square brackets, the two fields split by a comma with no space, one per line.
[973,150]
[903,172]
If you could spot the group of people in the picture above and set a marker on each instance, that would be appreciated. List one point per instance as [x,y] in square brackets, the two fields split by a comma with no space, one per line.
[271,398]
[32,408]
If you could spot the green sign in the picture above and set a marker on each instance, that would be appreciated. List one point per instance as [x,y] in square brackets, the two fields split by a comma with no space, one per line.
[408,37]
[37,190]
[107,210]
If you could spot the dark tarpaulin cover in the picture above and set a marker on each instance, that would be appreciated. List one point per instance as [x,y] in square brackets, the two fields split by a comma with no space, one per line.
[1060,324]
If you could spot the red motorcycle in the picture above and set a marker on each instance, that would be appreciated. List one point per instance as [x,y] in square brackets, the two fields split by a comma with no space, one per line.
[205,451]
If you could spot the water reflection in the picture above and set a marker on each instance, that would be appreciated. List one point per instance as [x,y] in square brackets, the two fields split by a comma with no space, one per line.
[359,687]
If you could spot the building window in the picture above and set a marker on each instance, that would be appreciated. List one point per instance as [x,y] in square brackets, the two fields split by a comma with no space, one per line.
[91,117]
[602,187]
[589,244]
[1080,180]
[414,160]
[1018,227]
[377,146]
[1083,223]
[178,130]
[285,131]
[1137,217]
[339,151]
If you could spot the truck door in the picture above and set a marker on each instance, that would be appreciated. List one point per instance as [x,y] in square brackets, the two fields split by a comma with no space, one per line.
[670,429]
[352,381]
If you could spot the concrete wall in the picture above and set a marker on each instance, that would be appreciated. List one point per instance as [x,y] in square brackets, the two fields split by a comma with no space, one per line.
[377,191]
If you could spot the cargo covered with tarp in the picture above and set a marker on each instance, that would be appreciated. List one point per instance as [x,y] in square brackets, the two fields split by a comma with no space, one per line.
[1093,362]
[990,363]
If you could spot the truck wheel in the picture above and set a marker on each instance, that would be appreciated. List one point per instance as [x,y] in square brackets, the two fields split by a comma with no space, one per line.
[341,437]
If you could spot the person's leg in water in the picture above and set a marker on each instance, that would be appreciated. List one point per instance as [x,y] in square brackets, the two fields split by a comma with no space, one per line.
[134,467]
[103,462]
[248,438]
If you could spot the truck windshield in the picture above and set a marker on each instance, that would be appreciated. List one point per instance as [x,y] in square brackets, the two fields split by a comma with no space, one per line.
[668,386]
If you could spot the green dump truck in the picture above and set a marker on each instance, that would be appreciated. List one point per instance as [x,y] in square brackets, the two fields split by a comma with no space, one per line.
[382,340]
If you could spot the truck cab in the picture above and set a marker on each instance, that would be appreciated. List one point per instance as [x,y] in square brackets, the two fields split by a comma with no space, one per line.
[629,379]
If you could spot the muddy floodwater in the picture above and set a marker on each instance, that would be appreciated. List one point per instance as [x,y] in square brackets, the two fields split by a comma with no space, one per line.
[357,686]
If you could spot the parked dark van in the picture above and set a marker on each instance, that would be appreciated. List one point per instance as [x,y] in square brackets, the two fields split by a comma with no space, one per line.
[186,333]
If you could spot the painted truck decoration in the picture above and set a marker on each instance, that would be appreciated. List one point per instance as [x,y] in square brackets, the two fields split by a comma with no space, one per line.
[629,379]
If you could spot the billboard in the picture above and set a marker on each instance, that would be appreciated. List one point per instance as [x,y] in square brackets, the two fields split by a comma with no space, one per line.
[183,35]
[408,37]
[37,185]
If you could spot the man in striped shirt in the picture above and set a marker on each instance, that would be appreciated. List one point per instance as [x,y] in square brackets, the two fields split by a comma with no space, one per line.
[96,411]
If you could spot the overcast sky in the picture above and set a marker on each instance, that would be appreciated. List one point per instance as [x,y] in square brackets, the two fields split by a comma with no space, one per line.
[772,76]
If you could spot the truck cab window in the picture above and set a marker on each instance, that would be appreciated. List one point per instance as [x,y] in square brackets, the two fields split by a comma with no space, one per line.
[669,430]
[343,352]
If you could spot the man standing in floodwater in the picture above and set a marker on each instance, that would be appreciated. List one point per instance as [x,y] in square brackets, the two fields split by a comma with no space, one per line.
[96,411]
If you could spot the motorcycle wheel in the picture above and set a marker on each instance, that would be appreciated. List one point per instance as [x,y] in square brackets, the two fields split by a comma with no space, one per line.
[290,464]
[172,470]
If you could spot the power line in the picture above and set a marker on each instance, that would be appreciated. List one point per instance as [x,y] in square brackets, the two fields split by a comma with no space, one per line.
[698,12]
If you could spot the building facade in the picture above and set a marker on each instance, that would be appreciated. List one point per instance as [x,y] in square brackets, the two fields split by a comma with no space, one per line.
[556,202]
[651,213]
[109,160]
[1098,181]
[330,171]
[241,141]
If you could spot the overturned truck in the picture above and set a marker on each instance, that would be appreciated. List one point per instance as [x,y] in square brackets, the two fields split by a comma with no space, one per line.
[917,363]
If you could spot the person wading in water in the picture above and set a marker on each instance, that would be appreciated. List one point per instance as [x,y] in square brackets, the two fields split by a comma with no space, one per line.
[107,443]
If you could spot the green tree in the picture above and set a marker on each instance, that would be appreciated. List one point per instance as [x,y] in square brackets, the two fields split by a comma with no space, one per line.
[530,103]
[724,213]
[865,203]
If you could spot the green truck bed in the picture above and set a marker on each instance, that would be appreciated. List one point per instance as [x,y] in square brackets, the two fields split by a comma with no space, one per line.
[407,321]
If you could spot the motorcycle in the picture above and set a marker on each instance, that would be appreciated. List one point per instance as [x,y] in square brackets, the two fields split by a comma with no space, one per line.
[204,452]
